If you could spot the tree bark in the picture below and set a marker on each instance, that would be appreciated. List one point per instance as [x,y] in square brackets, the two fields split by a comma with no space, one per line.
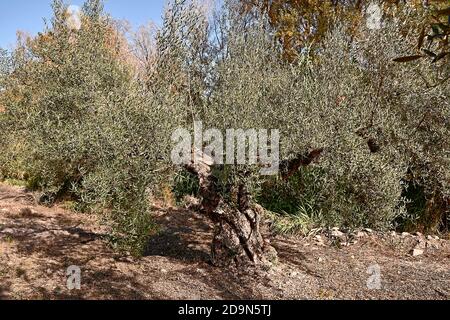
[237,234]
[436,214]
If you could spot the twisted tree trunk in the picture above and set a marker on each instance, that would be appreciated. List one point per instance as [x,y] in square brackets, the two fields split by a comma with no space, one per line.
[436,214]
[237,234]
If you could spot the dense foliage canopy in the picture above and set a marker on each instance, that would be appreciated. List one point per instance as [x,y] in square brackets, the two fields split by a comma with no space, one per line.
[88,114]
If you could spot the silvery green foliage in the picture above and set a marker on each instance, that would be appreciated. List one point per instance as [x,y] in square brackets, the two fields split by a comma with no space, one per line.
[4,70]
[183,58]
[5,63]
[363,99]
[255,89]
[416,97]
[376,120]
[348,112]
[351,99]
[87,127]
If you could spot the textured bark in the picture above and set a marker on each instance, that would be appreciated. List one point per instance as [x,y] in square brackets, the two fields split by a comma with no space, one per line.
[436,214]
[237,234]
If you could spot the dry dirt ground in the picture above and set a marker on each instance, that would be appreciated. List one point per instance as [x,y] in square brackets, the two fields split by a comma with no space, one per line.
[38,244]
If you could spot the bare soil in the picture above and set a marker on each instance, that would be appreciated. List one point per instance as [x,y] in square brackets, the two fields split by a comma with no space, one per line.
[38,244]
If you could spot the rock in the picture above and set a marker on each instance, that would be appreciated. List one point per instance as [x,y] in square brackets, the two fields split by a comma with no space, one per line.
[394,234]
[294,274]
[164,271]
[320,260]
[360,234]
[430,238]
[127,259]
[432,244]
[436,238]
[405,234]
[337,233]
[421,244]
[319,240]
[368,230]
[62,233]
[417,252]
[419,234]
[201,271]
[8,231]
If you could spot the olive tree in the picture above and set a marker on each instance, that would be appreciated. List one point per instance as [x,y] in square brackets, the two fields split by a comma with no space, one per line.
[351,112]
[89,126]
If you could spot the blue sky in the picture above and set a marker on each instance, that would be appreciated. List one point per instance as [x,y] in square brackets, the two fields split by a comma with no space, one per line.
[27,15]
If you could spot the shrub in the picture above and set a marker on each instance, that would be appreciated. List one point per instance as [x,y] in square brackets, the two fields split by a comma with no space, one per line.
[185,184]
[384,126]
[88,128]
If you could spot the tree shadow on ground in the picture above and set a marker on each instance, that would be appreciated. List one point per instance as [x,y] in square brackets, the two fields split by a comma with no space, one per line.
[232,284]
[289,252]
[184,235]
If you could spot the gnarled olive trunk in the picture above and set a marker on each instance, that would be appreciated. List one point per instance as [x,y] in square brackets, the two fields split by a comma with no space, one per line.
[435,218]
[237,234]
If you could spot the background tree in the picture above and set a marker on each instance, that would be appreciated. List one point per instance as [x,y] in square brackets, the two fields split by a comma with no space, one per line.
[301,23]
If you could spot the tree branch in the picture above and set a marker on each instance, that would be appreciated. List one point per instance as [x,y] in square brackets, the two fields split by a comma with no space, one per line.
[289,168]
